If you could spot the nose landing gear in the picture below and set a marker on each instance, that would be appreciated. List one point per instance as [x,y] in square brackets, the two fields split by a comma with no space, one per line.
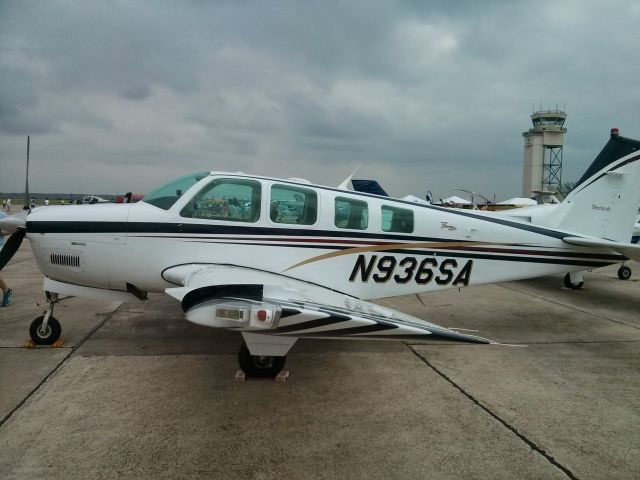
[45,329]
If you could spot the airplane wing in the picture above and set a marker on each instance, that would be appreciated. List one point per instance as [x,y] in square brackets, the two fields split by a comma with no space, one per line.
[629,250]
[253,301]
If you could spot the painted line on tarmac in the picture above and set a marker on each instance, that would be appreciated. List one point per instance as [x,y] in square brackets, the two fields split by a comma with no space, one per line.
[511,428]
[56,368]
[573,307]
[518,344]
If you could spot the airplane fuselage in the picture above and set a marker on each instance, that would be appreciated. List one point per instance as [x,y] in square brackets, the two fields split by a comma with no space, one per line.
[358,244]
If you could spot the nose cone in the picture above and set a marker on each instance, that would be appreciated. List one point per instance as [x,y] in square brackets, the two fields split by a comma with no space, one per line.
[10,223]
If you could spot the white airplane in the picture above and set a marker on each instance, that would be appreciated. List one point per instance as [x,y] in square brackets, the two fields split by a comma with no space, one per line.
[279,260]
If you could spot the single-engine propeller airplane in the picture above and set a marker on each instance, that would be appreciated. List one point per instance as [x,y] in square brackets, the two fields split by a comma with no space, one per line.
[279,260]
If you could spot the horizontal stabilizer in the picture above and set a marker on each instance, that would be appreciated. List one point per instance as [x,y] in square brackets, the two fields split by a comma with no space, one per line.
[629,250]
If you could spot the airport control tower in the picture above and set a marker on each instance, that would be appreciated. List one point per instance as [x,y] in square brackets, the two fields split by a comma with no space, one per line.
[542,169]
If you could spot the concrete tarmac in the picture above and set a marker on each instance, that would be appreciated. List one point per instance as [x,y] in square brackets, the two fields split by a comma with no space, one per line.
[138,392]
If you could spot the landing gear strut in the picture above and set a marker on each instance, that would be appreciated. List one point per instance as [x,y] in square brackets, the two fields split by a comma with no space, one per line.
[263,366]
[45,329]
[574,280]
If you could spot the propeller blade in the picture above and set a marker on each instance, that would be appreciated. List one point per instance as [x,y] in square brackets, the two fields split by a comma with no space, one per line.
[11,246]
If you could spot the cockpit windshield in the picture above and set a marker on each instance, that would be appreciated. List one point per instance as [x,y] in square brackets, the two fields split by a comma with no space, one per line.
[168,194]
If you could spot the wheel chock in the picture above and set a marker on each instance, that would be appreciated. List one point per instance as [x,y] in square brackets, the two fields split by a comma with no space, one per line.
[282,377]
[57,344]
[239,378]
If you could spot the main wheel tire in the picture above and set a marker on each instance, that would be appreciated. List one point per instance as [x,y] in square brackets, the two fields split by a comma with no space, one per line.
[51,333]
[261,366]
[624,273]
[572,286]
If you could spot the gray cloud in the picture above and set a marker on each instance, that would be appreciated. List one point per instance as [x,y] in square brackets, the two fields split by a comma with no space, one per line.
[424,94]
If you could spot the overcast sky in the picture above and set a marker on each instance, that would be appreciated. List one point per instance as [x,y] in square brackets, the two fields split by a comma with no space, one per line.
[124,95]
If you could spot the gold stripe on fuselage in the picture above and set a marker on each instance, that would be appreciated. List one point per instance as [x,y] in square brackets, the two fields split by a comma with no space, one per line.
[382,248]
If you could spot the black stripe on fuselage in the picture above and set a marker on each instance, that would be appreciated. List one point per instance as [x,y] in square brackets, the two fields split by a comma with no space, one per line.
[378,247]
[76,227]
[186,229]
[204,229]
[596,261]
[174,228]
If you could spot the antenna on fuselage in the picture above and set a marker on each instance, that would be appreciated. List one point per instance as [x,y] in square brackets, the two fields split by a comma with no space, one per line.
[345,184]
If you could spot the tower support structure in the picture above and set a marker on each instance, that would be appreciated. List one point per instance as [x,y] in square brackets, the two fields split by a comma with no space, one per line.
[543,145]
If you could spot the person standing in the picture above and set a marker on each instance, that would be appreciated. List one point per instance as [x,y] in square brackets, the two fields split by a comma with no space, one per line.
[8,204]
[7,293]
[46,202]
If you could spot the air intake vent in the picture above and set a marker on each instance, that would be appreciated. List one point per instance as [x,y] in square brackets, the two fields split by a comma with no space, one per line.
[67,259]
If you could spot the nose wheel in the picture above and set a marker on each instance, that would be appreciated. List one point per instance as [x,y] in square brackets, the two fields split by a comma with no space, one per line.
[46,329]
[45,333]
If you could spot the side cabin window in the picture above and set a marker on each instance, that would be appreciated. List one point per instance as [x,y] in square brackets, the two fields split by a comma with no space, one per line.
[351,214]
[293,205]
[229,199]
[397,219]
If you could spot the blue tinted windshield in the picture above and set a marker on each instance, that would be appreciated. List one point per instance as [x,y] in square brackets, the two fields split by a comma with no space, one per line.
[168,194]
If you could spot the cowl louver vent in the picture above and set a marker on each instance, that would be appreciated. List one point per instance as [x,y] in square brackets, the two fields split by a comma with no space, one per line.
[66,260]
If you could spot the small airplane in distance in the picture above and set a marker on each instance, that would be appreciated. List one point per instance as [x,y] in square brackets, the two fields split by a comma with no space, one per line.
[282,259]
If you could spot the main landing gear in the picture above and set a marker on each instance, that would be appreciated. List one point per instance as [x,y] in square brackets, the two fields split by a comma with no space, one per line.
[263,355]
[45,329]
[574,280]
[262,366]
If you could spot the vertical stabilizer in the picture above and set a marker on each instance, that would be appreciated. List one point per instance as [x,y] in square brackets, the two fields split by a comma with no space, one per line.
[604,202]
